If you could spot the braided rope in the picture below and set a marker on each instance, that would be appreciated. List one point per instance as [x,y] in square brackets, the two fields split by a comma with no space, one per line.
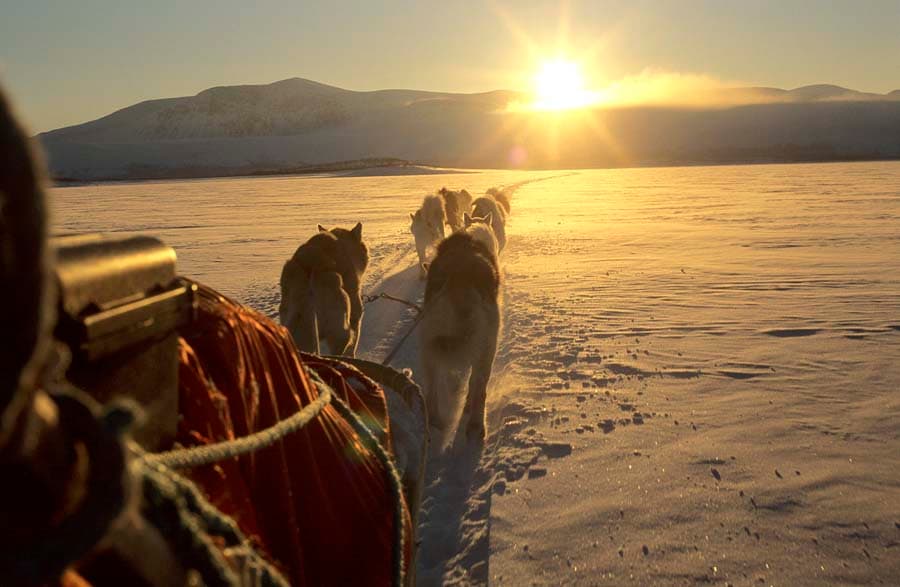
[180,511]
[204,455]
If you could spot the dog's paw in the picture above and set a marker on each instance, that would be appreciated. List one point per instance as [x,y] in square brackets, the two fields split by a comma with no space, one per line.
[475,431]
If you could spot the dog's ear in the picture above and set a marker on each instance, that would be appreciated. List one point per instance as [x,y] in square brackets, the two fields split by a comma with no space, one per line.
[322,228]
[465,193]
[467,219]
[357,231]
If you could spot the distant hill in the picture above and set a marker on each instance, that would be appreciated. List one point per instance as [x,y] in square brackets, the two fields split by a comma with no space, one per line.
[288,107]
[296,123]
[805,94]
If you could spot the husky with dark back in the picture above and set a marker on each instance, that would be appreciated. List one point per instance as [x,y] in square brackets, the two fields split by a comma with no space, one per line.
[460,326]
[321,303]
[456,204]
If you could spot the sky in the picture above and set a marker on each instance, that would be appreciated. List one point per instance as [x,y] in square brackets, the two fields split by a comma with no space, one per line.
[68,62]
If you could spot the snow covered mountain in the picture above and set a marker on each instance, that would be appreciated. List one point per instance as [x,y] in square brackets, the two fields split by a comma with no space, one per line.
[256,128]
[288,107]
[294,123]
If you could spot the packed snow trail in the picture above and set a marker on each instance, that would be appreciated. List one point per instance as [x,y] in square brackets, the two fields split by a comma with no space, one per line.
[454,528]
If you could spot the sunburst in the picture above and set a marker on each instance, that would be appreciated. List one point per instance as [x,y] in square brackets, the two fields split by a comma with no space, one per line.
[559,85]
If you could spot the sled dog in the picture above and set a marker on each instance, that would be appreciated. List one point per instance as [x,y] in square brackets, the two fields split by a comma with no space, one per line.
[487,206]
[458,335]
[502,197]
[427,226]
[321,304]
[480,229]
[456,204]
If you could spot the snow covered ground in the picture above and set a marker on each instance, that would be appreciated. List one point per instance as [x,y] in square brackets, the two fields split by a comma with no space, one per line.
[698,379]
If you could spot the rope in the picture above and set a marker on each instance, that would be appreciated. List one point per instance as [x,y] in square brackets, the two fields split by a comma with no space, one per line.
[227,449]
[186,529]
[399,344]
[419,313]
[386,296]
[188,521]
[393,479]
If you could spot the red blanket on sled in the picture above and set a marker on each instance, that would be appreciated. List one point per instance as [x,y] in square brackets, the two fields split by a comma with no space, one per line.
[318,501]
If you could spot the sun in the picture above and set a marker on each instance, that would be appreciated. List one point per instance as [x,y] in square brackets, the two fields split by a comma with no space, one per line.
[559,85]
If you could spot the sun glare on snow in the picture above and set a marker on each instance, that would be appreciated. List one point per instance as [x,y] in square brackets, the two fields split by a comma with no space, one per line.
[559,85]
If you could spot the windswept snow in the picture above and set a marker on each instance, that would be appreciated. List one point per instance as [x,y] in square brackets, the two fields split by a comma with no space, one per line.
[697,380]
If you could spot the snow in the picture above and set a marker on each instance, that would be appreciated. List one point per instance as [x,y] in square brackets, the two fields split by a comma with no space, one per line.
[697,379]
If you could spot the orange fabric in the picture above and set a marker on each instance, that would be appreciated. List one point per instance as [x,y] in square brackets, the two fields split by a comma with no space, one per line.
[365,398]
[72,579]
[318,501]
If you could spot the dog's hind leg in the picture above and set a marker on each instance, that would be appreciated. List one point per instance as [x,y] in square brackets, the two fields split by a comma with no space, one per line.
[422,252]
[477,393]
[430,374]
[355,324]
[443,388]
[339,338]
[297,310]
[337,343]
[332,308]
[475,400]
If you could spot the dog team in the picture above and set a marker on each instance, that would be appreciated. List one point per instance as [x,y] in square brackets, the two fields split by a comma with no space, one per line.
[321,301]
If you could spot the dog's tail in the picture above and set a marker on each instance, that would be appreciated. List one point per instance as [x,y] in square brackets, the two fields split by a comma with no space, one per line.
[297,310]
[331,307]
[450,325]
[450,320]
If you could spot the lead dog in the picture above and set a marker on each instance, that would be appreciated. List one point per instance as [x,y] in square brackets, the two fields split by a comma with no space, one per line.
[460,325]
[321,303]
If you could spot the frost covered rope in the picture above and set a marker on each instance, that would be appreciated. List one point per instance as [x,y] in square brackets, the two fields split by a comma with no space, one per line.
[182,514]
[220,451]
